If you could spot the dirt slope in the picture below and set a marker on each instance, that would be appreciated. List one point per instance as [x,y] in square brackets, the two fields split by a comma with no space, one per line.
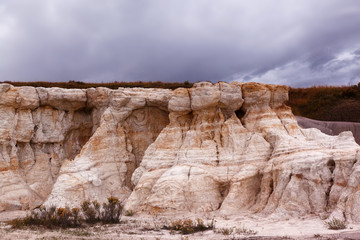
[331,128]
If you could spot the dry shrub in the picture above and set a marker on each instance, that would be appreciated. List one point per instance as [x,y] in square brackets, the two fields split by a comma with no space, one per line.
[51,217]
[111,211]
[188,226]
[129,213]
[90,212]
[335,224]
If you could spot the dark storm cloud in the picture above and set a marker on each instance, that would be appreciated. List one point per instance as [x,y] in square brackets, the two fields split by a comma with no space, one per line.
[288,42]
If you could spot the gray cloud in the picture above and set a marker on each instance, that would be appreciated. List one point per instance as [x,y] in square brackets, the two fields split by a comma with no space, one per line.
[289,42]
[342,69]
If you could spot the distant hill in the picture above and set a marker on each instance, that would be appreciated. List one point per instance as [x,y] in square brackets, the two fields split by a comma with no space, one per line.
[326,103]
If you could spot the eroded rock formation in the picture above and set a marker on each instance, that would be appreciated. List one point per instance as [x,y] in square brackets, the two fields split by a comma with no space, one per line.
[215,147]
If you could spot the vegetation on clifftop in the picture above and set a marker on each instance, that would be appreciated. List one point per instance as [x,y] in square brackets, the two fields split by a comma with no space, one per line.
[111,85]
[326,103]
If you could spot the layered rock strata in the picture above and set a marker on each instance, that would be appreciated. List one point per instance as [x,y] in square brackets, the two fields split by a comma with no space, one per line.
[215,147]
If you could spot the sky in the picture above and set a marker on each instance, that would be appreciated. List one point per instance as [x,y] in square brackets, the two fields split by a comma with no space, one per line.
[292,42]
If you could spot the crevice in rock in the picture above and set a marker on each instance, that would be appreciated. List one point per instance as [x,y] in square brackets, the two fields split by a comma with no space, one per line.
[331,165]
[353,163]
[279,191]
[271,186]
[130,166]
[240,114]
[223,188]
[38,95]
[282,123]
[260,179]
[226,113]
[141,128]
[79,133]
[217,155]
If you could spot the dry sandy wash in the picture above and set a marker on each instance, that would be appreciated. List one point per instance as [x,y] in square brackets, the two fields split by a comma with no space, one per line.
[225,149]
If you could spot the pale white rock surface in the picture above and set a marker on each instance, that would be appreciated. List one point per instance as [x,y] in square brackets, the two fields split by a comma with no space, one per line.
[62,99]
[106,162]
[228,148]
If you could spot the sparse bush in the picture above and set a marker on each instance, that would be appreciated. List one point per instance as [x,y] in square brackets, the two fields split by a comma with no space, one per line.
[53,217]
[47,217]
[64,217]
[225,231]
[76,215]
[111,210]
[96,206]
[244,230]
[188,226]
[89,211]
[335,224]
[129,213]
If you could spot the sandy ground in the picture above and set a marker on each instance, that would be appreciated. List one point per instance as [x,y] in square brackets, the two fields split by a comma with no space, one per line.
[150,227]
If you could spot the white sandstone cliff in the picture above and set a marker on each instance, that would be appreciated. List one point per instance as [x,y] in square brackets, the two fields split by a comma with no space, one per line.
[215,147]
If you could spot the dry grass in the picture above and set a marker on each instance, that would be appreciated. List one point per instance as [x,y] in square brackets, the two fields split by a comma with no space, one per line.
[335,224]
[241,230]
[129,213]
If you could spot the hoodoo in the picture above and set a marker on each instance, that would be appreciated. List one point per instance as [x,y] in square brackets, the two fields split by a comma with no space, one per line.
[214,147]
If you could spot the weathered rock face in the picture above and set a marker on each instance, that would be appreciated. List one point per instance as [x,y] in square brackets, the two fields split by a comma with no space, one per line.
[215,147]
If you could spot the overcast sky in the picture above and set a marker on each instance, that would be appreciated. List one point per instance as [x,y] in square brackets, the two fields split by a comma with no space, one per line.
[292,42]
